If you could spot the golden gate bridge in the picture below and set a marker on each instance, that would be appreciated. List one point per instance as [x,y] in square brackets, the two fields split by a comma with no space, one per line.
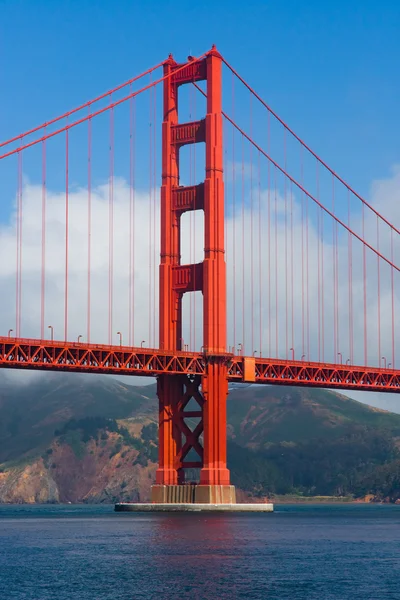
[253,262]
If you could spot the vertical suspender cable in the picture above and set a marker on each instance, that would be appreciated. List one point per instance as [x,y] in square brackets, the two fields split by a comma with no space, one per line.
[322,291]
[251,233]
[269,238]
[259,256]
[392,281]
[378,291]
[292,259]
[365,287]
[276,271]
[43,277]
[111,229]
[233,216]
[286,249]
[19,247]
[154,213]
[89,217]
[350,274]
[319,270]
[242,257]
[307,284]
[335,346]
[131,312]
[302,255]
[150,216]
[66,232]
[337,285]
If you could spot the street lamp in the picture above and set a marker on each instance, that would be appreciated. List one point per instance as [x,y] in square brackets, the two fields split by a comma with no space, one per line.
[79,337]
[389,365]
[255,352]
[292,351]
[384,358]
[303,356]
[341,357]
[10,332]
[120,337]
[142,342]
[348,361]
[240,350]
[52,332]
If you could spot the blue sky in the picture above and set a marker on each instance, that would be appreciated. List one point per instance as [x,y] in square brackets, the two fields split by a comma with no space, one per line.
[329,69]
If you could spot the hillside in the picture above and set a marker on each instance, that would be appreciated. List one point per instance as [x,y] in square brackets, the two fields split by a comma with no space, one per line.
[93,439]
[29,414]
[260,415]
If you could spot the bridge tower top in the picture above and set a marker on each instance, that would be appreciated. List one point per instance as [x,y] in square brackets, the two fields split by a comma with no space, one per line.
[209,276]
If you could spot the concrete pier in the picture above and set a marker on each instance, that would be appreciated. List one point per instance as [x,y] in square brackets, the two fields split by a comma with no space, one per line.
[191,507]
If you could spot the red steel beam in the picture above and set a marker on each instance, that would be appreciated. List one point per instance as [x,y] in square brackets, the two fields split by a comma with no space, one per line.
[96,358]
[313,374]
[20,353]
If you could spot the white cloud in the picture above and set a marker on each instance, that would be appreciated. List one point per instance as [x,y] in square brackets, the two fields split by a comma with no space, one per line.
[260,253]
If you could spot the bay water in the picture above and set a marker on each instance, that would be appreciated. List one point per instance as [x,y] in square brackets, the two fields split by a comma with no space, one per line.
[86,552]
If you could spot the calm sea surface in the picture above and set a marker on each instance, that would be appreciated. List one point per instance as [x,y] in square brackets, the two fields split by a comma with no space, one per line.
[298,552]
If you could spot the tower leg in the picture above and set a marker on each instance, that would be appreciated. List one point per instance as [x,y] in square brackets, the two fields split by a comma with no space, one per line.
[214,487]
[169,392]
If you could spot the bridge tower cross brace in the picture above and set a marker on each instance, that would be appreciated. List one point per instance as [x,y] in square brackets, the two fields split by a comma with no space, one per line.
[210,391]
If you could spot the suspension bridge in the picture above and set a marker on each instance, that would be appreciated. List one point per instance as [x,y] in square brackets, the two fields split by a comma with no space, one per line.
[253,261]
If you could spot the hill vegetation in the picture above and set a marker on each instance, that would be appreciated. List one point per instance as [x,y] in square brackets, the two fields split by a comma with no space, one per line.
[94,439]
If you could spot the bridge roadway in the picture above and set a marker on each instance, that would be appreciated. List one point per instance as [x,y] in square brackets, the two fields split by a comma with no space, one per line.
[22,353]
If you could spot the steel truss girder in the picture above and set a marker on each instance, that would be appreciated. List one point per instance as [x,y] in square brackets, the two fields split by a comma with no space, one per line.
[21,353]
[96,358]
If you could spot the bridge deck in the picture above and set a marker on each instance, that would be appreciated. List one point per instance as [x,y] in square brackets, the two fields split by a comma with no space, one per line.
[149,362]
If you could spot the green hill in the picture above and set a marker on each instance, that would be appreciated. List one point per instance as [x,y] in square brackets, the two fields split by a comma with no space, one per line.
[259,415]
[29,414]
[282,440]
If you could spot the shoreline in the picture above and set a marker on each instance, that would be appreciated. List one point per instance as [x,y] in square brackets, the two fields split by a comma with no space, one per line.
[281,500]
[323,500]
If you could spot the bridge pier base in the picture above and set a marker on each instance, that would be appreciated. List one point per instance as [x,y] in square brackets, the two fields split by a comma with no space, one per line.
[193,494]
[215,494]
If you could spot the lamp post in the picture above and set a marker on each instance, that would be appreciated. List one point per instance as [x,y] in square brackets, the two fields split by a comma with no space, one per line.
[120,337]
[384,358]
[51,332]
[142,342]
[240,348]
[348,361]
[341,357]
[10,332]
[79,337]
[303,356]
[292,351]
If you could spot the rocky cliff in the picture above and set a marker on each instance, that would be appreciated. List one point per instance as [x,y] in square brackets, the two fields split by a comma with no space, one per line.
[103,468]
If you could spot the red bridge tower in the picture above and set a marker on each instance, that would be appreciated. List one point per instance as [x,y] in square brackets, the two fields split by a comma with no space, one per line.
[210,390]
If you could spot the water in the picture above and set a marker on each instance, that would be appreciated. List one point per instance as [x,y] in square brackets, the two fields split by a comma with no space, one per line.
[299,552]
